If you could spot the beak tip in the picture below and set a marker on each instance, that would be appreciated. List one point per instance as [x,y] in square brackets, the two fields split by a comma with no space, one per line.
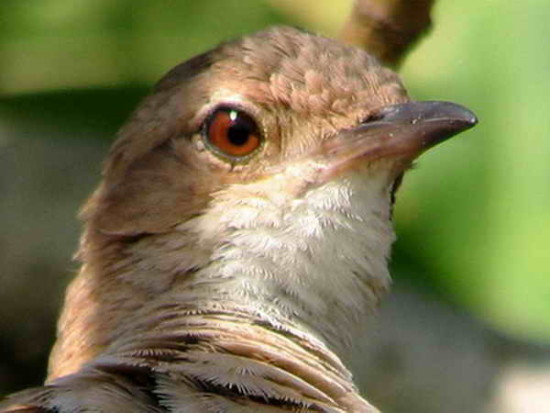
[458,119]
[463,123]
[467,118]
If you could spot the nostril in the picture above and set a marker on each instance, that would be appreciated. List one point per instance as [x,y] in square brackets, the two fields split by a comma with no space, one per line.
[372,117]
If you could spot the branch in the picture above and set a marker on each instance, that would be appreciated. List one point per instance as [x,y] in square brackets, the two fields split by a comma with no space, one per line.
[387,28]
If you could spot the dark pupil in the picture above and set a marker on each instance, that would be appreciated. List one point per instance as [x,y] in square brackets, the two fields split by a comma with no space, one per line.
[239,132]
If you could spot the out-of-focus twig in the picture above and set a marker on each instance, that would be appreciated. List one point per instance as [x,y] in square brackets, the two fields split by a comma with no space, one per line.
[387,28]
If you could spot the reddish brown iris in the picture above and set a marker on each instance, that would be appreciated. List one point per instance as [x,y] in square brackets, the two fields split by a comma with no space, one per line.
[232,133]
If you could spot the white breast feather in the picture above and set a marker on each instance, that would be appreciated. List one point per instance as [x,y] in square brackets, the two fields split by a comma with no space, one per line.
[319,259]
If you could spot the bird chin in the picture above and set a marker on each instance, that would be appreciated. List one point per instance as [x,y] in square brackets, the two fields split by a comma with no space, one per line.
[388,169]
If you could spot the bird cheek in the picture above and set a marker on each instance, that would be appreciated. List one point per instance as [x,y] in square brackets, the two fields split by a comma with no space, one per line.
[155,194]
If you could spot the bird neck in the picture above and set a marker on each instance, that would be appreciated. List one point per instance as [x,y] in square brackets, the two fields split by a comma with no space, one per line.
[319,260]
[307,267]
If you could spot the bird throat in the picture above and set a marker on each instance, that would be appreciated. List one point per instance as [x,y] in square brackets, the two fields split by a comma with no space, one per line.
[262,275]
[318,260]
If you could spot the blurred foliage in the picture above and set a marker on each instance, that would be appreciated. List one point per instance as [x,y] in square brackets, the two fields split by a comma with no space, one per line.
[473,221]
[51,44]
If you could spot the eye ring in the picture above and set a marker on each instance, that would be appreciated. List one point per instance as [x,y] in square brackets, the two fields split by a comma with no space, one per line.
[231,133]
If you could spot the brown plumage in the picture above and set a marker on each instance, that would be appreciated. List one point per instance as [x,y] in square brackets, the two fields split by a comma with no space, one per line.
[215,282]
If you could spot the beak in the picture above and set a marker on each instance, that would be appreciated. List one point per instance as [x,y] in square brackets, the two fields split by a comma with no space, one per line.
[401,131]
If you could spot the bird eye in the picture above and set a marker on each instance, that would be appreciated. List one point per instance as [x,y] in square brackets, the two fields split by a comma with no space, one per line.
[231,133]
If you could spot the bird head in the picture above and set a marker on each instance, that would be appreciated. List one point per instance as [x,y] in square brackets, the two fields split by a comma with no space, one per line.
[258,176]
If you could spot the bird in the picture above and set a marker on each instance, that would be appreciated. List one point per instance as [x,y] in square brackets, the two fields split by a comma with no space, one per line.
[240,235]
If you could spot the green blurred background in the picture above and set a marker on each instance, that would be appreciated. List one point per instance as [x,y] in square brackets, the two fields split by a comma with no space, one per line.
[473,220]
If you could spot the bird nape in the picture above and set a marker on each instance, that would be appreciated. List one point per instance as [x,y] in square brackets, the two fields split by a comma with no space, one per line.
[240,235]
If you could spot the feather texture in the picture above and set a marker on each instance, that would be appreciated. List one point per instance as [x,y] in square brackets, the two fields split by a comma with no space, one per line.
[209,286]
